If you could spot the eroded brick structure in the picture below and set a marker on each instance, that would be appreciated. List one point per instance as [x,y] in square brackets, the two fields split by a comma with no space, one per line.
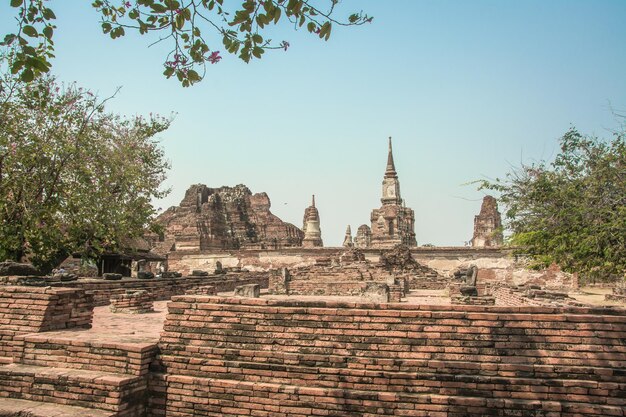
[350,274]
[224,218]
[363,238]
[488,224]
[30,309]
[239,357]
[132,301]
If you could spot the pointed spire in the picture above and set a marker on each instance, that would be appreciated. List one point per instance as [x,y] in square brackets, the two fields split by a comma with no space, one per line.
[347,241]
[391,168]
[313,201]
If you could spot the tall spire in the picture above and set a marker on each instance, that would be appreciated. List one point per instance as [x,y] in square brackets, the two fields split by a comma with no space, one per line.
[390,172]
[313,201]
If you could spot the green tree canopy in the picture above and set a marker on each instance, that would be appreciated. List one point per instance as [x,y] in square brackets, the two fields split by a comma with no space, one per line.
[72,176]
[571,211]
[195,29]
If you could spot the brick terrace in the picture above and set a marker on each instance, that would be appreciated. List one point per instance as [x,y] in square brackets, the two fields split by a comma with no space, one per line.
[275,357]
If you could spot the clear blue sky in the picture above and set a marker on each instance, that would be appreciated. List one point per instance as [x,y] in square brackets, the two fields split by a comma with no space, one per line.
[466,89]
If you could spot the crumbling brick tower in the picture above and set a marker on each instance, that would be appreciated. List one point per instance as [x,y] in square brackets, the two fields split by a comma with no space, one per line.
[488,224]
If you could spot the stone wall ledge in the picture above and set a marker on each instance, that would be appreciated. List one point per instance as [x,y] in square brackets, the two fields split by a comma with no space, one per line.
[616,314]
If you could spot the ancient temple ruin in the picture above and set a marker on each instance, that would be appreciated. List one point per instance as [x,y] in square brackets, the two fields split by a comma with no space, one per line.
[393,223]
[363,237]
[224,218]
[488,224]
[311,227]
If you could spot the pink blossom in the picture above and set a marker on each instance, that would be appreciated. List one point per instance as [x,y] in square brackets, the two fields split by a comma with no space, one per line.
[215,57]
[127,5]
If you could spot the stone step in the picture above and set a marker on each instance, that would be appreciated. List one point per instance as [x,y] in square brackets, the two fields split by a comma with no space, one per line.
[65,349]
[121,393]
[10,407]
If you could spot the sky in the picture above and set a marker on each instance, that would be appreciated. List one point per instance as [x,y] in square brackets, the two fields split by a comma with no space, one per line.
[467,89]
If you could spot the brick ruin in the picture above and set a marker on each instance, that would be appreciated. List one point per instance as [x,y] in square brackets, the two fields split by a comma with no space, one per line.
[290,358]
[350,274]
[132,301]
[254,355]
[488,224]
[363,238]
[223,218]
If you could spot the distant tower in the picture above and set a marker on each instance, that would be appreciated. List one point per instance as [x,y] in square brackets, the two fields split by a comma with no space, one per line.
[393,223]
[311,227]
[363,237]
[391,184]
[488,224]
[347,241]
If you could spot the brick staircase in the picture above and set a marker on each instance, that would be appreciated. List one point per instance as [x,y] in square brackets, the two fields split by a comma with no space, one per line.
[111,379]
[52,365]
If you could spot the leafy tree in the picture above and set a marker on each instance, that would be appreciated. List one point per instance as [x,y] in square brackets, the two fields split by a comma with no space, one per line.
[571,211]
[184,23]
[72,176]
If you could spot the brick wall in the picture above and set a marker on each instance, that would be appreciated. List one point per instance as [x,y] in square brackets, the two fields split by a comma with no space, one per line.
[40,309]
[165,288]
[232,357]
[132,301]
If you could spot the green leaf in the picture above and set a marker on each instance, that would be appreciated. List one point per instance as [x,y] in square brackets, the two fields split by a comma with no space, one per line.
[257,51]
[48,14]
[27,75]
[193,76]
[30,31]
[180,21]
[16,3]
[158,8]
[47,31]
[17,66]
[277,13]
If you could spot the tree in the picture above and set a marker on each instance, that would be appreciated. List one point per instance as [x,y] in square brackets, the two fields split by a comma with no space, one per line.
[72,176]
[571,211]
[184,23]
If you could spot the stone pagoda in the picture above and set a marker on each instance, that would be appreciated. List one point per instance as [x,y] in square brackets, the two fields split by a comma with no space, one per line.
[393,223]
[347,240]
[311,227]
[488,224]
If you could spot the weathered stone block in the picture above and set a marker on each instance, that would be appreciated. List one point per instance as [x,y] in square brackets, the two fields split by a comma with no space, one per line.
[16,268]
[376,292]
[145,275]
[250,290]
[199,273]
[110,276]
